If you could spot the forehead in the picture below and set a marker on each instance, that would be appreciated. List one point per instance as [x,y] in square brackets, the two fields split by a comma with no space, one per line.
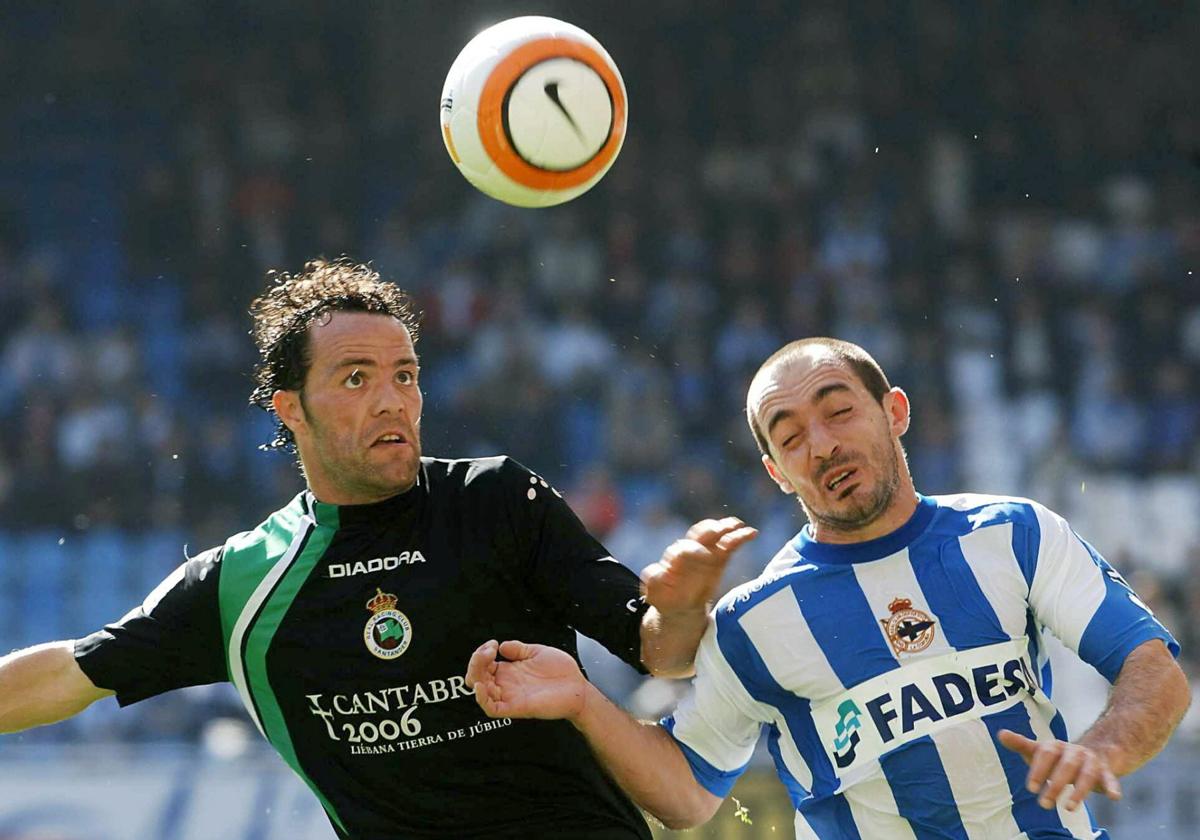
[343,332]
[793,382]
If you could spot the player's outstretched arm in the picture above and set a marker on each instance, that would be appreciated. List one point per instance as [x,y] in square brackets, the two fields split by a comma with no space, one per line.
[544,682]
[1148,700]
[43,684]
[681,588]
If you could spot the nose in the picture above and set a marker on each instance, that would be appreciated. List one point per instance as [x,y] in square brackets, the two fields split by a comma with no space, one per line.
[823,445]
[389,399]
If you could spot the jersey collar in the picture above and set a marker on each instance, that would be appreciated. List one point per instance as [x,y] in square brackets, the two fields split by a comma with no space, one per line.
[343,516]
[861,552]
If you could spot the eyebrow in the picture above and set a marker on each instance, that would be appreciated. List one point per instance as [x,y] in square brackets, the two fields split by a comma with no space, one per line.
[406,361]
[825,391]
[777,418]
[786,413]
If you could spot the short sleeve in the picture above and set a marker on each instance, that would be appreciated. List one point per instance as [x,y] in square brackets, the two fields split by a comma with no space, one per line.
[718,723]
[569,569]
[172,640]
[1085,602]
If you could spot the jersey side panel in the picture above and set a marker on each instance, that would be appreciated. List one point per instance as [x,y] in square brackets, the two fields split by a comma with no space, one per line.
[258,643]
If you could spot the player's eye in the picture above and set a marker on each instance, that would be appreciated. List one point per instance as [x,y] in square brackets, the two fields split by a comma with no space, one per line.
[841,412]
[354,380]
[406,377]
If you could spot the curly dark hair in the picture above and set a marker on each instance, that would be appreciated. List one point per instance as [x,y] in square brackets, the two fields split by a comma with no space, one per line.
[283,314]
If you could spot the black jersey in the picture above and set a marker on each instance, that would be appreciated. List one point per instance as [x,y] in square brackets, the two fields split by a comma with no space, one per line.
[347,629]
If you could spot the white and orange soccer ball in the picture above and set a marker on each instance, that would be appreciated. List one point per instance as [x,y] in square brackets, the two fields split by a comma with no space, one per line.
[533,111]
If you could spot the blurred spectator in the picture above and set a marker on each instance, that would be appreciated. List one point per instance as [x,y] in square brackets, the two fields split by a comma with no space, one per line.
[1172,419]
[597,500]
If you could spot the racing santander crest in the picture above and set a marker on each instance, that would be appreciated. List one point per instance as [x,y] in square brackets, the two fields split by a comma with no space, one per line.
[388,632]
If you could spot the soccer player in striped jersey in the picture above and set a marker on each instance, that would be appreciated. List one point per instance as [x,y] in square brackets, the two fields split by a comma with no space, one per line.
[891,652]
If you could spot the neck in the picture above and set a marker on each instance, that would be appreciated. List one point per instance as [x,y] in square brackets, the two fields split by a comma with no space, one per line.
[331,494]
[901,508]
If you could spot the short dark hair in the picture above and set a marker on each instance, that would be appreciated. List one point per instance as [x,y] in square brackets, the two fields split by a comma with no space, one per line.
[284,313]
[860,362]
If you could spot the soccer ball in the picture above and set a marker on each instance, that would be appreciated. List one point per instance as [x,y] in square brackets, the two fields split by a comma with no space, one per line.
[533,111]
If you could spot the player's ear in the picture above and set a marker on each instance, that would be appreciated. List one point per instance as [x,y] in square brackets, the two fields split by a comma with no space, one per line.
[898,410]
[288,408]
[777,476]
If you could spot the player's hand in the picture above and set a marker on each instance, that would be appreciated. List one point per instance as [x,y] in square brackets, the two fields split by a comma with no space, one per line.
[536,681]
[687,575]
[1054,764]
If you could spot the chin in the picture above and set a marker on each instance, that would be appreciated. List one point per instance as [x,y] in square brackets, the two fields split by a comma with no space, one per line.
[404,478]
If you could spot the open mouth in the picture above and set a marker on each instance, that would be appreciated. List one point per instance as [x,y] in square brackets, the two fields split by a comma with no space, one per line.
[390,439]
[839,479]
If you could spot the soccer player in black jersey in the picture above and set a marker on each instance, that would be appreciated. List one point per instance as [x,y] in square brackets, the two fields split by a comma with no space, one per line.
[346,619]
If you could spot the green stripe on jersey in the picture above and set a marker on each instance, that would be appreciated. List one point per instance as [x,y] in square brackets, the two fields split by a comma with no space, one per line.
[261,573]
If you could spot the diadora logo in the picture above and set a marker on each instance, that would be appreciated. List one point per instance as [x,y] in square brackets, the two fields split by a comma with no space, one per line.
[378,564]
[847,733]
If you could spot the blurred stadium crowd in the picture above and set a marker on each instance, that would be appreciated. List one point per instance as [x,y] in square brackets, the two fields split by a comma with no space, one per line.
[995,200]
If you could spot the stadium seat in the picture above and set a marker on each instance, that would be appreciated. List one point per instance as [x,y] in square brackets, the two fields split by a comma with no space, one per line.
[41,583]
[583,426]
[9,596]
[155,555]
[99,574]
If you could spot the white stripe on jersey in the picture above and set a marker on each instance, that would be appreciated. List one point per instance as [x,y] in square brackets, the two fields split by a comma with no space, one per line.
[779,633]
[721,725]
[237,668]
[991,559]
[875,811]
[882,581]
[782,638]
[977,780]
[1077,822]
[792,759]
[1068,587]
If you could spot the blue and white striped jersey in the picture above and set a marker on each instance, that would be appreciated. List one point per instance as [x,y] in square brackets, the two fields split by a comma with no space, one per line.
[882,671]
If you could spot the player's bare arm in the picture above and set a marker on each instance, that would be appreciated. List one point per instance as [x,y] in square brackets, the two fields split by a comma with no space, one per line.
[681,588]
[1147,702]
[543,682]
[41,685]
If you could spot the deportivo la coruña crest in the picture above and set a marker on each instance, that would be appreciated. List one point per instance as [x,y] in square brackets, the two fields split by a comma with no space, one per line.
[908,630]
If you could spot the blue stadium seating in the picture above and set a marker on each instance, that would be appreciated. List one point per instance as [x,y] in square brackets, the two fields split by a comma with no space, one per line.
[102,565]
[42,565]
[9,596]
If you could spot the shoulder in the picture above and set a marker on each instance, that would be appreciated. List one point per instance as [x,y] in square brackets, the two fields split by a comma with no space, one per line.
[200,567]
[779,574]
[1035,529]
[971,511]
[270,539]
[493,474]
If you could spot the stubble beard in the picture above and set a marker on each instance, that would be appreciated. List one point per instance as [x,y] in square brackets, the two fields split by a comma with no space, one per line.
[354,473]
[863,513]
[374,478]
